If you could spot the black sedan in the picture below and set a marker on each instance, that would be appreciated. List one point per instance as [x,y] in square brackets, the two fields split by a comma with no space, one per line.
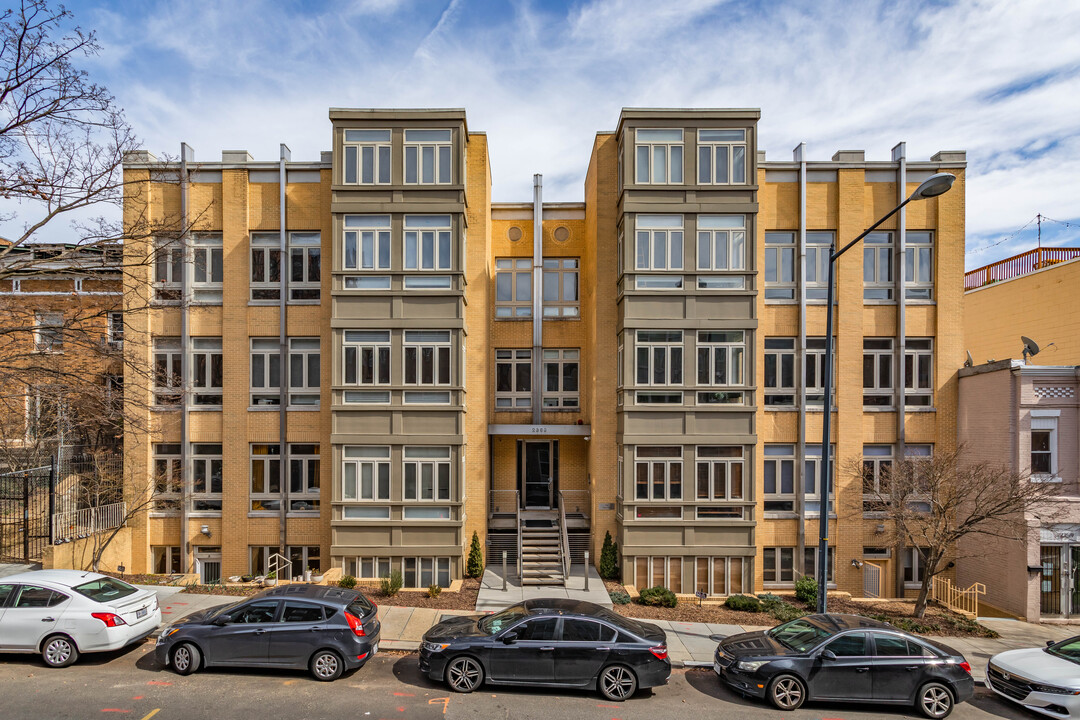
[844,658]
[551,643]
[326,630]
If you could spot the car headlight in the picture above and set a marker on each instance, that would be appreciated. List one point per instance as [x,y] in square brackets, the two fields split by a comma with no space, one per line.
[435,647]
[166,633]
[1053,689]
[750,665]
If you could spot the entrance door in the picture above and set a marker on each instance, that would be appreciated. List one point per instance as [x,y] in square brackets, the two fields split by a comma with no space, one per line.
[209,567]
[871,580]
[1050,583]
[537,475]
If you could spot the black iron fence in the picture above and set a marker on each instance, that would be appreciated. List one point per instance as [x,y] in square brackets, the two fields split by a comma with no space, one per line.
[26,509]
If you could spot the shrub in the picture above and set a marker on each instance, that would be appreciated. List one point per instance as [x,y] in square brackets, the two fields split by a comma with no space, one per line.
[348,582]
[783,611]
[743,603]
[658,596]
[619,597]
[475,566]
[769,601]
[433,591]
[390,584]
[806,590]
[609,558]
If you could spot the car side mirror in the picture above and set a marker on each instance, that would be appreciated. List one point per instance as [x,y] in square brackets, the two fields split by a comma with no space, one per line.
[509,637]
[222,620]
[828,654]
[1050,643]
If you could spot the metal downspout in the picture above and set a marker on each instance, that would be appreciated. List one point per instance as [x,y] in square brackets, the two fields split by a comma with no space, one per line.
[899,154]
[283,352]
[538,293]
[186,155]
[800,357]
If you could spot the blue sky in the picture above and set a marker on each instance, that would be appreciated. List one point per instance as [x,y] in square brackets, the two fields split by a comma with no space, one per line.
[1000,79]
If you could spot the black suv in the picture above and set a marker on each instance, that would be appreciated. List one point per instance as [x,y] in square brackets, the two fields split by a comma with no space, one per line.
[325,629]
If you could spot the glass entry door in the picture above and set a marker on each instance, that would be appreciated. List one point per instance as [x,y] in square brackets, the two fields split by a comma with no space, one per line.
[536,475]
[1059,590]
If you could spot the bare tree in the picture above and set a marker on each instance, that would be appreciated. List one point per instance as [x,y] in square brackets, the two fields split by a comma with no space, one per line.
[931,503]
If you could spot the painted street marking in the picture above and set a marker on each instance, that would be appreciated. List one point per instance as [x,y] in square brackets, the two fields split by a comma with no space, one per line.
[614,707]
[287,682]
[151,714]
[159,682]
[444,701]
[137,697]
[397,694]
[118,710]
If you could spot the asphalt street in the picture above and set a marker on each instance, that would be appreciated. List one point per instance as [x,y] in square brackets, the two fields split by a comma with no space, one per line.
[130,684]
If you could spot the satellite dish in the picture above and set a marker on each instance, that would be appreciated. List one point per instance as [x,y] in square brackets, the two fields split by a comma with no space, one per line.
[1031,348]
[970,360]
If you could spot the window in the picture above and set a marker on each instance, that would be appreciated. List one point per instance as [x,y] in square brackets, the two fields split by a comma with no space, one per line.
[33,596]
[304,383]
[574,630]
[427,157]
[721,242]
[918,372]
[659,357]
[367,568]
[427,242]
[425,572]
[205,477]
[427,473]
[720,355]
[259,558]
[168,271]
[877,464]
[659,244]
[919,265]
[818,249]
[513,379]
[265,477]
[561,379]
[658,473]
[207,371]
[720,473]
[561,287]
[915,561]
[116,329]
[658,572]
[779,266]
[365,513]
[365,473]
[168,477]
[780,372]
[265,266]
[305,260]
[167,559]
[302,558]
[719,575]
[721,157]
[877,372]
[778,565]
[1044,447]
[304,489]
[779,478]
[367,157]
[49,332]
[265,371]
[812,477]
[296,612]
[366,357]
[659,156]
[878,266]
[168,371]
[207,269]
[513,287]
[896,646]
[427,357]
[367,242]
[810,555]
[850,645]
[815,372]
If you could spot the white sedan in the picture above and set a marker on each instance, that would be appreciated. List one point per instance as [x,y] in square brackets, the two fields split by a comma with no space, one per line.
[61,613]
[1044,680]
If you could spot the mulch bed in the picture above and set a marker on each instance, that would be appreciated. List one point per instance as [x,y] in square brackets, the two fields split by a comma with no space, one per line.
[464,599]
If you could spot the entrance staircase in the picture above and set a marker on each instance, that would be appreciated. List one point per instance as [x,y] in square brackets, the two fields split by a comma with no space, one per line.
[544,555]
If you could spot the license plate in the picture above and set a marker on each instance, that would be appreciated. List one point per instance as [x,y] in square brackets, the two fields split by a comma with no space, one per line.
[140,613]
[717,668]
[375,648]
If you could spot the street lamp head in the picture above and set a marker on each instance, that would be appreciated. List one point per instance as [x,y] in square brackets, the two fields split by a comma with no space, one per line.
[936,184]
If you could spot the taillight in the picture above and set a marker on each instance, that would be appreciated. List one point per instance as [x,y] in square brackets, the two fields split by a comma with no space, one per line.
[355,624]
[660,651]
[967,667]
[110,619]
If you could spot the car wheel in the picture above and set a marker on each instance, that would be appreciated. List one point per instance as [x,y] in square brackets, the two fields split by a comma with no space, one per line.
[59,651]
[935,700]
[464,674]
[326,665]
[185,659]
[617,683]
[787,692]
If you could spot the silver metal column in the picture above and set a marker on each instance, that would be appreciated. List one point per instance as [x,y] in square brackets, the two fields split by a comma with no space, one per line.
[283,352]
[187,154]
[899,153]
[800,358]
[538,294]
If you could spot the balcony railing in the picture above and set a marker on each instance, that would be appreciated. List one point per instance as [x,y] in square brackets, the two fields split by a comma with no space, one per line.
[1017,265]
[76,524]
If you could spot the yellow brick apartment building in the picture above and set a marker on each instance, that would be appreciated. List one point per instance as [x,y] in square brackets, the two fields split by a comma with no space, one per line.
[360,361]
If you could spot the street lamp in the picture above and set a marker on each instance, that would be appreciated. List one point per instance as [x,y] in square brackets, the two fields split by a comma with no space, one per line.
[937,184]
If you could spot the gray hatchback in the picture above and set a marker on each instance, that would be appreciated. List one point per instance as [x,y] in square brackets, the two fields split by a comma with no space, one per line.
[326,630]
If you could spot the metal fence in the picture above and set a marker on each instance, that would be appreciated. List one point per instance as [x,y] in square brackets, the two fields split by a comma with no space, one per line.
[26,506]
[77,524]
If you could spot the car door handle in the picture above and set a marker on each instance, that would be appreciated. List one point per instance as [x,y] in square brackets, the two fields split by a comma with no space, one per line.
[862,669]
[259,631]
[49,619]
[546,649]
[911,667]
[602,649]
[314,629]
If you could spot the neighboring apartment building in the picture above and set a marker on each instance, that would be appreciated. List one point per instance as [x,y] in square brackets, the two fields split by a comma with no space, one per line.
[643,363]
[1027,418]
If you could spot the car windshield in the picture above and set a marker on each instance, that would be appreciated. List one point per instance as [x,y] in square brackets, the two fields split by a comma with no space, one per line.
[799,635]
[1067,649]
[105,590]
[501,620]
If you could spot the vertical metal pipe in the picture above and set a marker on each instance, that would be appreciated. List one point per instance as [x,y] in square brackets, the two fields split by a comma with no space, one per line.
[186,155]
[538,293]
[586,571]
[899,156]
[826,422]
[800,362]
[283,351]
[52,497]
[504,570]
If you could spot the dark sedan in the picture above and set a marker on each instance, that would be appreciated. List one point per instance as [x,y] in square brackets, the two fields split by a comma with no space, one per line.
[550,643]
[844,658]
[326,630]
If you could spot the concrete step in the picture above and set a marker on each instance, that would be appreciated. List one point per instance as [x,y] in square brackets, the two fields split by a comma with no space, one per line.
[526,557]
[538,581]
[542,572]
[541,535]
[554,542]
[528,567]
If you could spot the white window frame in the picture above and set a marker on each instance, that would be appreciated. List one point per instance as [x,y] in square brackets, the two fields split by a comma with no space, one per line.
[366,358]
[518,396]
[876,460]
[207,459]
[918,355]
[207,268]
[49,332]
[371,461]
[265,247]
[116,329]
[661,469]
[715,465]
[207,372]
[168,270]
[878,267]
[881,359]
[651,568]
[711,581]
[810,557]
[563,275]
[919,265]
[777,458]
[380,567]
[1044,424]
[305,358]
[914,562]
[656,232]
[721,242]
[418,143]
[780,376]
[306,556]
[269,499]
[433,459]
[264,392]
[436,569]
[780,575]
[519,272]
[819,244]
[307,246]
[421,232]
[359,144]
[168,478]
[440,343]
[814,376]
[655,153]
[305,477]
[727,147]
[365,243]
[780,266]
[811,477]
[170,557]
[714,346]
[557,395]
[651,345]
[168,366]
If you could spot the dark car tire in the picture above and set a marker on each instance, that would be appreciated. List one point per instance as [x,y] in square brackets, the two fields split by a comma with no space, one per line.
[934,701]
[326,666]
[787,692]
[464,674]
[59,651]
[617,683]
[185,659]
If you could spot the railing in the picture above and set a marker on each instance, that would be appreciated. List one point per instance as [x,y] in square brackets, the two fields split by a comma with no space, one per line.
[1018,265]
[502,501]
[517,524]
[964,601]
[77,524]
[278,563]
[577,500]
[564,541]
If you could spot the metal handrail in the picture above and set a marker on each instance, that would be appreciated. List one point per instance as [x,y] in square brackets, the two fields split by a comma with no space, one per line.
[75,524]
[517,524]
[957,599]
[564,540]
[1018,265]
[278,562]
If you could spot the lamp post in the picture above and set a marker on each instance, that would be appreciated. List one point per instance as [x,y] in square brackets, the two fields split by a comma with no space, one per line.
[937,184]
